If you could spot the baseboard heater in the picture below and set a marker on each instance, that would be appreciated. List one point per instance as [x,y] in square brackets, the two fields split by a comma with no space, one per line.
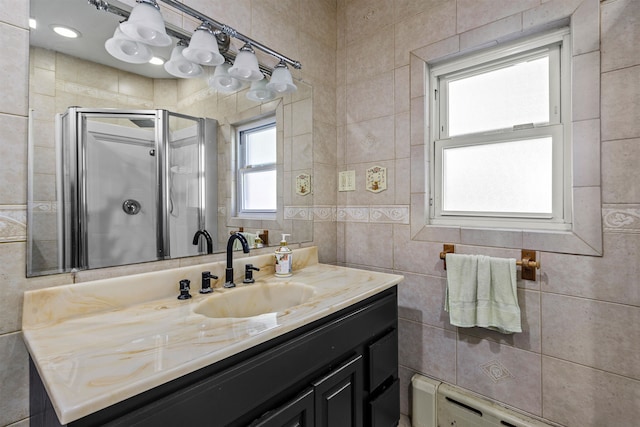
[438,404]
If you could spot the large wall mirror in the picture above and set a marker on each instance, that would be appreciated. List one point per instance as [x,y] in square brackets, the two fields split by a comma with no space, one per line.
[154,195]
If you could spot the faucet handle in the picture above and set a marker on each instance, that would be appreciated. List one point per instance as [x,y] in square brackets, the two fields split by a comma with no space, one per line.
[206,282]
[184,289]
[248,273]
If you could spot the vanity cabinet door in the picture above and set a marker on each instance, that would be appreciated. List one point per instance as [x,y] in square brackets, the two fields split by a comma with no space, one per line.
[296,413]
[384,410]
[338,396]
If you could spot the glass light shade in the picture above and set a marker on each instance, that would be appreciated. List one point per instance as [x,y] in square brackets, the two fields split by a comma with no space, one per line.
[221,81]
[281,80]
[245,67]
[259,92]
[145,24]
[123,48]
[179,66]
[203,48]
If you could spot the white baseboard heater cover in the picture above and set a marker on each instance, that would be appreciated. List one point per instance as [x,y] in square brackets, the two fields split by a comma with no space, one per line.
[438,404]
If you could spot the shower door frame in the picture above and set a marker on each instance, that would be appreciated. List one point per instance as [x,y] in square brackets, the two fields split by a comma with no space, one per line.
[74,226]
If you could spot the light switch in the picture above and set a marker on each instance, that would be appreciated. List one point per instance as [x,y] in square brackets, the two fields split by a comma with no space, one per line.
[347,181]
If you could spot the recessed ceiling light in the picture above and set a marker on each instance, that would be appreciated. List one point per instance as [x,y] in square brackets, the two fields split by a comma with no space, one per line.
[33,23]
[65,31]
[156,60]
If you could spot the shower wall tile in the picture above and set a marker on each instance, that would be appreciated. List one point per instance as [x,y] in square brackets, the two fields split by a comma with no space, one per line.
[585,27]
[15,12]
[501,372]
[586,86]
[324,103]
[318,18]
[621,103]
[14,284]
[598,334]
[473,14]
[370,56]
[576,395]
[364,18]
[13,152]
[359,95]
[590,277]
[14,375]
[416,256]
[619,169]
[14,69]
[421,299]
[402,88]
[423,29]
[491,32]
[371,140]
[403,134]
[369,244]
[548,12]
[620,47]
[405,9]
[428,350]
[586,153]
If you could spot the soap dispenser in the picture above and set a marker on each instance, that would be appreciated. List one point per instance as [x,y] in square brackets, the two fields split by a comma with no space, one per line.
[284,258]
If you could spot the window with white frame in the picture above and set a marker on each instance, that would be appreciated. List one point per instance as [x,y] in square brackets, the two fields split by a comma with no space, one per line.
[500,136]
[257,176]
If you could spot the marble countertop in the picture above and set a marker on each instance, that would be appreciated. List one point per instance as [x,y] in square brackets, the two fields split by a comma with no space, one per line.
[98,343]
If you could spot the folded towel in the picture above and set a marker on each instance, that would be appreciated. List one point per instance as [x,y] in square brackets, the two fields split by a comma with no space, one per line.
[251,240]
[482,291]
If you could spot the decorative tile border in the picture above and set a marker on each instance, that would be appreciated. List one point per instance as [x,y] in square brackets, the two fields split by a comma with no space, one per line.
[297,212]
[325,213]
[621,218]
[13,223]
[384,214]
[395,214]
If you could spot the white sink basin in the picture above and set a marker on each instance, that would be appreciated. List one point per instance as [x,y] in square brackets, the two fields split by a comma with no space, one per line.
[256,299]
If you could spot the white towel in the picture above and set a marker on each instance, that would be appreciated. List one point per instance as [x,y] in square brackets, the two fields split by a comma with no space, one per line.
[482,291]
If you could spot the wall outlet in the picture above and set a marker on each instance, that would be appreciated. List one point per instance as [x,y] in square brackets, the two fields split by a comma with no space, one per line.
[347,181]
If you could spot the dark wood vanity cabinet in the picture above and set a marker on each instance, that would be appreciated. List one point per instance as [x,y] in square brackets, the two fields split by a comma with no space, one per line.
[341,370]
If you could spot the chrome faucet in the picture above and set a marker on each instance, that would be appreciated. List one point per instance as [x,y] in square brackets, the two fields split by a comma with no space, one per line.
[228,282]
[208,238]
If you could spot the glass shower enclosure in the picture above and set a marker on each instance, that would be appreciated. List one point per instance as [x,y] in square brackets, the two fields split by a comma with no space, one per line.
[135,187]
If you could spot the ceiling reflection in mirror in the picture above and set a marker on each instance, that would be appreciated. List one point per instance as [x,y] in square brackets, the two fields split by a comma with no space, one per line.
[79,73]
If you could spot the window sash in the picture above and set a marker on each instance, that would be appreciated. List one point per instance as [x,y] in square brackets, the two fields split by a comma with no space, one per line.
[557,196]
[556,45]
[244,169]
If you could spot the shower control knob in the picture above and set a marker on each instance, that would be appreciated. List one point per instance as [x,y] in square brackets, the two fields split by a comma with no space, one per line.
[131,207]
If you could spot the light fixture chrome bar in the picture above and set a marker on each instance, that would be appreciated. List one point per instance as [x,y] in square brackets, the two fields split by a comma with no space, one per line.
[230,32]
[175,32]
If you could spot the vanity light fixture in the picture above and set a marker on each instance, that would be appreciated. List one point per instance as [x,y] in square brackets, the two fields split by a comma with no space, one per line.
[245,67]
[281,80]
[64,31]
[123,48]
[203,47]
[145,24]
[209,45]
[259,92]
[222,82]
[179,66]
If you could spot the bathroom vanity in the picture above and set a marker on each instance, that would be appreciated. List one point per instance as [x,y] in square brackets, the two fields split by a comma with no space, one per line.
[326,357]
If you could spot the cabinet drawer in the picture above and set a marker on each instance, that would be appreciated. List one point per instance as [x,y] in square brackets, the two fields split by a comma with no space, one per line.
[383,359]
[384,411]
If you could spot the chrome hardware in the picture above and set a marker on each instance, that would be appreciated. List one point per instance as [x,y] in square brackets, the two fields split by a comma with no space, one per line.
[131,207]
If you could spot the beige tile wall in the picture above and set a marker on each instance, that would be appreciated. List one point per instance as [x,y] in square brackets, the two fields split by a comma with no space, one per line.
[301,29]
[576,362]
